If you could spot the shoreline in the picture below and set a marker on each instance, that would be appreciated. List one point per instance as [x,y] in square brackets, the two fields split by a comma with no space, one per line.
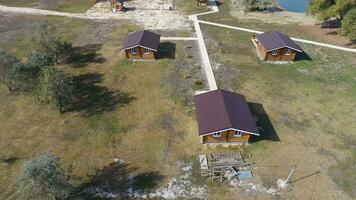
[275,14]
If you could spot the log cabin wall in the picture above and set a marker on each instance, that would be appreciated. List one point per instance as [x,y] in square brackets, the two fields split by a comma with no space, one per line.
[262,51]
[140,54]
[226,137]
[281,55]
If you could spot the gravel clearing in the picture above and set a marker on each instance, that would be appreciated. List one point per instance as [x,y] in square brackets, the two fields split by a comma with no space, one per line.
[150,18]
[150,14]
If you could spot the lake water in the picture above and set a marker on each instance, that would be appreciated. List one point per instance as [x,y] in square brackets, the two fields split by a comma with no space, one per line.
[294,5]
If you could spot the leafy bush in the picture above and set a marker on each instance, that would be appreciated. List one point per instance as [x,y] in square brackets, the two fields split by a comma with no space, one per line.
[56,88]
[49,43]
[251,5]
[7,62]
[348,24]
[42,178]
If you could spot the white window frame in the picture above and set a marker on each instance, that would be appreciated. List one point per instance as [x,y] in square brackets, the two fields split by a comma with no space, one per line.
[238,134]
[133,50]
[217,134]
[146,51]
[274,52]
[289,51]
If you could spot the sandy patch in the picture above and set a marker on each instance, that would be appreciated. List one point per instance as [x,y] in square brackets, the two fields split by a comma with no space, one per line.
[281,17]
[251,187]
[149,14]
[180,187]
[278,16]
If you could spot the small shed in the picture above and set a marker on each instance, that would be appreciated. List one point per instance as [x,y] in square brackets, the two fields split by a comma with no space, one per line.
[142,45]
[224,117]
[276,46]
[202,2]
[117,5]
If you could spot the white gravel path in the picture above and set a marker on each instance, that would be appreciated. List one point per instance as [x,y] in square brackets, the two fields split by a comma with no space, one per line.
[204,52]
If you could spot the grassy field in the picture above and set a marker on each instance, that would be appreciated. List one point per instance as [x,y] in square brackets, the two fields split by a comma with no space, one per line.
[309,32]
[77,6]
[138,112]
[143,112]
[189,7]
[310,104]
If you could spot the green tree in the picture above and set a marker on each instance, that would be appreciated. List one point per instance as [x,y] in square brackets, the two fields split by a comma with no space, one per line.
[256,4]
[348,24]
[7,62]
[56,88]
[40,59]
[50,44]
[24,77]
[42,179]
[326,9]
[15,75]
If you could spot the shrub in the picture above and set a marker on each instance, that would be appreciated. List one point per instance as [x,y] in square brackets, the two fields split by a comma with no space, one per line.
[42,178]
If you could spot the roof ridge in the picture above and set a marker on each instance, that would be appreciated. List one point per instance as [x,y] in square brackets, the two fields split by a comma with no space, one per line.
[141,37]
[280,38]
[225,107]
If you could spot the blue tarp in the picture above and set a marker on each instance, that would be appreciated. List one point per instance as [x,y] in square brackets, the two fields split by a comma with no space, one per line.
[244,175]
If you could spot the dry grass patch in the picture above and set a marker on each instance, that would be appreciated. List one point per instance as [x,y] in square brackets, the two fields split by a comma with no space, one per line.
[77,6]
[310,104]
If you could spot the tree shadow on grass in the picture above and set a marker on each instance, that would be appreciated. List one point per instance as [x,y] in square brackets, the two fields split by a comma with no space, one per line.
[167,50]
[331,23]
[146,181]
[83,55]
[90,97]
[267,131]
[117,180]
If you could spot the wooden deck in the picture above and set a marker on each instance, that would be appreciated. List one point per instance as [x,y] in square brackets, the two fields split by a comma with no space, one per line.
[223,165]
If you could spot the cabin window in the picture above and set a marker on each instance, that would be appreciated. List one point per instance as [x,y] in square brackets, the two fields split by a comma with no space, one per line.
[274,52]
[237,133]
[217,134]
[288,51]
[146,51]
[133,50]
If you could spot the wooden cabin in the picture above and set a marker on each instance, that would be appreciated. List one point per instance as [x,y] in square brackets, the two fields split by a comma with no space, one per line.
[202,2]
[117,5]
[276,46]
[224,117]
[142,45]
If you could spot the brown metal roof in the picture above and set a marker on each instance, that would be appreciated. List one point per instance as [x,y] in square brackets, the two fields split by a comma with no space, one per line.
[142,38]
[220,110]
[275,40]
